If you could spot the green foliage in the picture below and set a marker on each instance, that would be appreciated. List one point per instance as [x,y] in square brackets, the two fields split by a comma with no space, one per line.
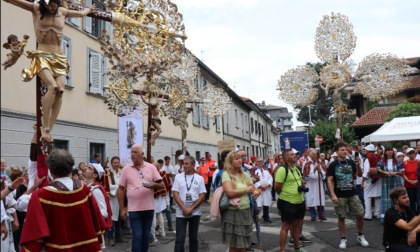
[327,129]
[404,109]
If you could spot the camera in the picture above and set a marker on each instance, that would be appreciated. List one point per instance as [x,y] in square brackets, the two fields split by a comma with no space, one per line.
[302,189]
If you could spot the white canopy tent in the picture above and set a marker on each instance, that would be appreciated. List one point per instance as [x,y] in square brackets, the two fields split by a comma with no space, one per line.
[399,129]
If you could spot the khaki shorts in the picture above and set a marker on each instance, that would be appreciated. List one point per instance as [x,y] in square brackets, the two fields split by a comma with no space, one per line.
[354,204]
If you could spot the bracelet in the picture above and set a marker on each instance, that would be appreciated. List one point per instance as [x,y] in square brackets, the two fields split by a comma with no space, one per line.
[10,189]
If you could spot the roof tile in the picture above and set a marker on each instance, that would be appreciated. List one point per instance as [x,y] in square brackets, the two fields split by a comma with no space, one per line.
[375,116]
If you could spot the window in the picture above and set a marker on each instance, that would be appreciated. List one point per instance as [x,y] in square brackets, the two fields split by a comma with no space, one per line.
[95,26]
[262,133]
[60,144]
[66,48]
[197,155]
[227,122]
[73,21]
[198,118]
[246,124]
[236,118]
[252,125]
[217,123]
[97,148]
[259,129]
[97,72]
[256,127]
[196,114]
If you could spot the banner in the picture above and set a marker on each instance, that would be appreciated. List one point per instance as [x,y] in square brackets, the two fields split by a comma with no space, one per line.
[294,139]
[130,132]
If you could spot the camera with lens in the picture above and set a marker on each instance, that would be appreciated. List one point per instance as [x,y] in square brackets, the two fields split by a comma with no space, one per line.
[302,189]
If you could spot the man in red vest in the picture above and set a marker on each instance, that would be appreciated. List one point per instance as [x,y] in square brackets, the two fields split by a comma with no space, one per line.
[203,170]
[212,168]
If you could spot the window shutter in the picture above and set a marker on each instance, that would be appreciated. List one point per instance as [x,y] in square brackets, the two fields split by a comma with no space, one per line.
[66,48]
[75,21]
[108,28]
[87,21]
[95,72]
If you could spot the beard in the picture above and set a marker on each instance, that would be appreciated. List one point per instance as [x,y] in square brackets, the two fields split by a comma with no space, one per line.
[404,206]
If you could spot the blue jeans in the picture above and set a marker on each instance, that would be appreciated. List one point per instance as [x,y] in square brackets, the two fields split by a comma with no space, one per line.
[141,224]
[361,193]
[115,231]
[412,195]
[168,216]
[181,230]
[312,211]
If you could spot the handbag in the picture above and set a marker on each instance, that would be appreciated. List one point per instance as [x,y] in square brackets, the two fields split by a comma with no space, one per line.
[224,202]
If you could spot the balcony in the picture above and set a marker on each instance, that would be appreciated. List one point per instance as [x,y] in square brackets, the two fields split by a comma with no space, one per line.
[284,115]
[286,123]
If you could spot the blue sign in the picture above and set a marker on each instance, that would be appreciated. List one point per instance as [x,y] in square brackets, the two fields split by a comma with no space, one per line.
[297,139]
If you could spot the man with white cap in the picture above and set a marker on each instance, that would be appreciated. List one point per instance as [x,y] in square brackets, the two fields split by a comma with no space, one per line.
[93,174]
[372,186]
[179,167]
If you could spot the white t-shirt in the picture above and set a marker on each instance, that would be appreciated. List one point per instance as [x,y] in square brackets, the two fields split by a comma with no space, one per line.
[196,184]
[169,170]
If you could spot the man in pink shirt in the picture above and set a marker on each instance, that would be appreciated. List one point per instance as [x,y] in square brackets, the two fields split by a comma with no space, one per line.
[139,179]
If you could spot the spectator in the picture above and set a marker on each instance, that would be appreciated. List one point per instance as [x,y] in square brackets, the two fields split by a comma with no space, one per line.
[371,184]
[410,176]
[161,202]
[189,193]
[264,184]
[343,193]
[140,179]
[418,151]
[393,170]
[315,197]
[218,176]
[170,171]
[401,225]
[237,219]
[180,163]
[212,168]
[291,201]
[168,188]
[114,234]
[203,171]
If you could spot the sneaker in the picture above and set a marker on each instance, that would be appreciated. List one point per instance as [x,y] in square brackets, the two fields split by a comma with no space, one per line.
[268,221]
[170,228]
[343,244]
[361,239]
[300,250]
[153,242]
[304,239]
[291,243]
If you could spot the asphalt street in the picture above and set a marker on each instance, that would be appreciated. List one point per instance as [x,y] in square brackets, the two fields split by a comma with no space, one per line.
[324,235]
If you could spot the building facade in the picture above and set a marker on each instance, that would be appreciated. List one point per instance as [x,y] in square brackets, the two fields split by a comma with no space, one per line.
[281,117]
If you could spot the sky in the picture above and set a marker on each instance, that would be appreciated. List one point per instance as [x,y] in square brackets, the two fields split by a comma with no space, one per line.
[251,43]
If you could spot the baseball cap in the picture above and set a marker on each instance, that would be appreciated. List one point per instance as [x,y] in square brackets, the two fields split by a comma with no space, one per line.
[253,157]
[181,157]
[294,151]
[370,147]
[409,150]
[99,169]
[399,154]
[334,154]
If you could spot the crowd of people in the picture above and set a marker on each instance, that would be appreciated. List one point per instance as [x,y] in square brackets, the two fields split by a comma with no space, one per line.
[366,181]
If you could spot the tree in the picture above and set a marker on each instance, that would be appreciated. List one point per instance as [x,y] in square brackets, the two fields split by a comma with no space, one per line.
[326,129]
[404,109]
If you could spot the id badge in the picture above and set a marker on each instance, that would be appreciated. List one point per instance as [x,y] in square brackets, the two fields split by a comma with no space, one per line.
[188,198]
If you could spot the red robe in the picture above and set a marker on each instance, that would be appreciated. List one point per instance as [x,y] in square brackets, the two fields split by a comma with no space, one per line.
[166,182]
[64,221]
[108,206]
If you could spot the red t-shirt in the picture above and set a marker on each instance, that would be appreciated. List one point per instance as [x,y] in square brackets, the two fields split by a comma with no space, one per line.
[411,172]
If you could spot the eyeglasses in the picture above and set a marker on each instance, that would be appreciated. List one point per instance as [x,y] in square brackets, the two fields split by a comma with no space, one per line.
[141,174]
[243,156]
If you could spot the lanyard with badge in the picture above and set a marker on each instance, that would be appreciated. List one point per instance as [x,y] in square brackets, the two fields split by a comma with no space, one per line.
[188,197]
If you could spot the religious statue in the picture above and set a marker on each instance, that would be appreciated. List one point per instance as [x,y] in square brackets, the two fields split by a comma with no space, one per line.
[48,61]
[16,48]
[155,123]
[131,134]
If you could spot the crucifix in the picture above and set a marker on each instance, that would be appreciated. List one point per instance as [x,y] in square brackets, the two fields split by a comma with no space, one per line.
[48,64]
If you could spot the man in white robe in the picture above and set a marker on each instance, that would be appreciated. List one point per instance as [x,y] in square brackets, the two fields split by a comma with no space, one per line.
[265,184]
